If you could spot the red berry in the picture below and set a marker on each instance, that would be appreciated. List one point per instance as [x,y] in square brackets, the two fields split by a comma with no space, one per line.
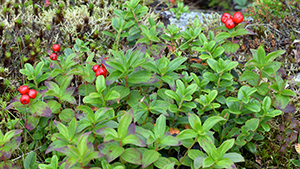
[173,1]
[32,93]
[56,47]
[229,23]
[95,68]
[53,56]
[23,89]
[238,17]
[101,71]
[225,16]
[25,99]
[105,58]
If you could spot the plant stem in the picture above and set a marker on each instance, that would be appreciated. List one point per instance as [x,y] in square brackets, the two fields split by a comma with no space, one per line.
[180,46]
[260,73]
[187,152]
[219,80]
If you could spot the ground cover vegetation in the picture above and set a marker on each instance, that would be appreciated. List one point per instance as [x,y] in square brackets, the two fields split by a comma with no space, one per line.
[105,84]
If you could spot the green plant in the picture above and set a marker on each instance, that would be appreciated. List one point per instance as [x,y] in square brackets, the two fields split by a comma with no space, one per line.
[242,4]
[180,9]
[80,120]
[9,142]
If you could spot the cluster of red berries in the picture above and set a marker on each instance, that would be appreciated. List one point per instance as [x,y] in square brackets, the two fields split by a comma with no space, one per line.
[231,22]
[55,48]
[100,70]
[27,94]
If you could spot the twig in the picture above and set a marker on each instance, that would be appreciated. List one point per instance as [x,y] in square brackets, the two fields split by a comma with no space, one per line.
[22,156]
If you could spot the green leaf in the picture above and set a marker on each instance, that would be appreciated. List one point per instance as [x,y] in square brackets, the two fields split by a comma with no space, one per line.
[52,87]
[271,56]
[31,122]
[30,160]
[274,113]
[209,148]
[170,141]
[161,162]
[142,76]
[68,98]
[132,139]
[252,124]
[230,65]
[251,147]
[149,157]
[218,51]
[112,95]
[160,126]
[174,64]
[100,84]
[265,126]
[261,55]
[29,67]
[67,115]
[211,121]
[62,129]
[173,95]
[198,162]
[194,153]
[113,77]
[38,69]
[82,143]
[193,119]
[107,131]
[124,124]
[214,65]
[212,95]
[86,89]
[266,104]
[208,162]
[230,47]
[225,146]
[10,134]
[224,163]
[253,105]
[296,162]
[40,109]
[65,83]
[114,151]
[180,86]
[210,76]
[234,157]
[263,88]
[249,75]
[222,36]
[186,134]
[132,155]
[288,92]
[169,166]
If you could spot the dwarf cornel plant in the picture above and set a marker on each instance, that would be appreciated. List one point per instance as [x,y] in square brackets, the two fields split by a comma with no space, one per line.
[122,120]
